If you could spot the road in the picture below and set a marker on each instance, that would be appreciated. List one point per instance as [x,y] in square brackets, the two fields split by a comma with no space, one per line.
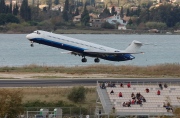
[78,81]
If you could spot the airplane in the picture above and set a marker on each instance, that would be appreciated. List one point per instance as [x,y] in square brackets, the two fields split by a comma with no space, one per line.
[84,48]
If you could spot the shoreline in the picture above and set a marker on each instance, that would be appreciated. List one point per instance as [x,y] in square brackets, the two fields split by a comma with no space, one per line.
[99,31]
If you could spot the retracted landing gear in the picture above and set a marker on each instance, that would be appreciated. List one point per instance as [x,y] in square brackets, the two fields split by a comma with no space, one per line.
[84,59]
[32,45]
[96,60]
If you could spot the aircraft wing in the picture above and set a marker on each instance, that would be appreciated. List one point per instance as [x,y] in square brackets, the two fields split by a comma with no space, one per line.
[73,53]
[67,52]
[131,49]
[110,53]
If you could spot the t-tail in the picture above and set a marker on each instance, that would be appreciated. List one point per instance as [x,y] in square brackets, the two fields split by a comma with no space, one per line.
[134,47]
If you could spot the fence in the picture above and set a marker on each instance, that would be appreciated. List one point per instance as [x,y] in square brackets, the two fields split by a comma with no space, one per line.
[145,82]
[67,112]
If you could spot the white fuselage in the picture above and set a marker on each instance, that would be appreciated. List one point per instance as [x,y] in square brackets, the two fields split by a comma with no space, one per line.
[78,47]
[70,41]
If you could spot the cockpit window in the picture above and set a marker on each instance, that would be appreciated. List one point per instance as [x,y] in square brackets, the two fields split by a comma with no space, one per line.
[37,32]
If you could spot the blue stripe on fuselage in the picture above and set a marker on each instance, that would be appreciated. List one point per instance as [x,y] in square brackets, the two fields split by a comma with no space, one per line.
[58,45]
[122,57]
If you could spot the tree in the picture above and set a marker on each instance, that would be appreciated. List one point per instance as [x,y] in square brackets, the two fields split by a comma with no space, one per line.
[2,19]
[71,9]
[15,9]
[122,12]
[10,8]
[138,11]
[66,11]
[77,12]
[66,6]
[35,12]
[49,3]
[144,15]
[127,12]
[25,11]
[10,103]
[105,13]
[168,14]
[85,17]
[65,16]
[2,6]
[113,11]
[77,94]
[8,18]
[56,2]
[130,22]
[29,13]
[7,9]
[11,19]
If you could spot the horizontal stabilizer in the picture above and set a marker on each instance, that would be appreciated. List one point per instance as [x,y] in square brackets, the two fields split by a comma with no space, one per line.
[133,47]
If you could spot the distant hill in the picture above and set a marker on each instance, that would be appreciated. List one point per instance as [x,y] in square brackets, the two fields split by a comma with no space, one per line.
[124,3]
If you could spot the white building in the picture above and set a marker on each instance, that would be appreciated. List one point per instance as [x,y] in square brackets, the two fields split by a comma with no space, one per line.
[121,27]
[115,19]
[57,8]
[177,1]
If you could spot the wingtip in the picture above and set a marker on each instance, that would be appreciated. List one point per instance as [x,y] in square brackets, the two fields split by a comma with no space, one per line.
[137,42]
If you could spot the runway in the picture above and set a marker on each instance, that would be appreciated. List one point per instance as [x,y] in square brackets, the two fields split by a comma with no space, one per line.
[79,81]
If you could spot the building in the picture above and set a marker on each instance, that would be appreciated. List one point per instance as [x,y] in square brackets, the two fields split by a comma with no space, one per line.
[97,23]
[57,8]
[126,18]
[115,19]
[175,1]
[77,18]
[121,27]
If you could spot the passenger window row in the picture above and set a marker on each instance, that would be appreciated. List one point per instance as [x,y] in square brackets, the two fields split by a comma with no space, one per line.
[77,43]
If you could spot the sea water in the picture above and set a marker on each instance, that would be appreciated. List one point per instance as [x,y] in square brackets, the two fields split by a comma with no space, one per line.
[15,50]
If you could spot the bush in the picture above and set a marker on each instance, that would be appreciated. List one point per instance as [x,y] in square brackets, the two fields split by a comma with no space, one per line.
[107,25]
[38,103]
[45,25]
[177,26]
[8,18]
[11,19]
[14,26]
[10,104]
[156,25]
[132,26]
[2,19]
[77,94]
[33,23]
[23,27]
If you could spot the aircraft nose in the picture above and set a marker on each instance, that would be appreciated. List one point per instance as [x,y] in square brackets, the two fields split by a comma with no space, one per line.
[28,36]
[132,57]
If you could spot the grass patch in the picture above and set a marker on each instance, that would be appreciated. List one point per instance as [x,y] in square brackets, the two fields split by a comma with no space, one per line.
[47,77]
[162,70]
[53,95]
[8,78]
